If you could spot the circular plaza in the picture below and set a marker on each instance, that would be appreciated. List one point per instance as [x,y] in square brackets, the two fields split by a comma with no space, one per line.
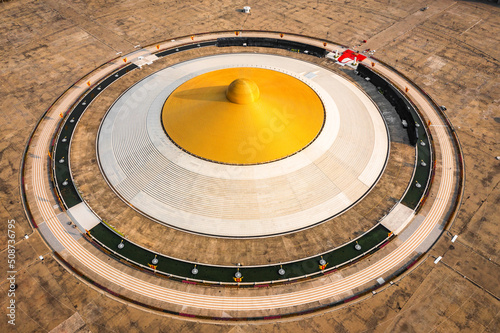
[243,169]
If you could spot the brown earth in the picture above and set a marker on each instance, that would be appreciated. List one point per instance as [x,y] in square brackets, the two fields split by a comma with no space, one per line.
[451,50]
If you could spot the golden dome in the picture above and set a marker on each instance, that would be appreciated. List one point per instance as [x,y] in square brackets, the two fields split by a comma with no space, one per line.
[243,115]
[242,91]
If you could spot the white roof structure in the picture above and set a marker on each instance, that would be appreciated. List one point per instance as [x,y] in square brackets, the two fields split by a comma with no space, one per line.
[173,187]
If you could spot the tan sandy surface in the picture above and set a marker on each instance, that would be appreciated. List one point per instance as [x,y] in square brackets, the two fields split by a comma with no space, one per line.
[452,51]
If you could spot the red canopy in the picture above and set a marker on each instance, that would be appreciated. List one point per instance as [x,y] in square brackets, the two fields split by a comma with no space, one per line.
[349,55]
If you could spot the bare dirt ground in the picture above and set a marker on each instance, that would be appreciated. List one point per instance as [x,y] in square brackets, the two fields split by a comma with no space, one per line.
[452,51]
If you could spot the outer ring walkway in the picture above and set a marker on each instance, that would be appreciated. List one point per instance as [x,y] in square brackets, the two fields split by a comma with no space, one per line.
[240,306]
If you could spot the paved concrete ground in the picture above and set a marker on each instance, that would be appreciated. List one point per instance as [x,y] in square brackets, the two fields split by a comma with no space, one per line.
[453,55]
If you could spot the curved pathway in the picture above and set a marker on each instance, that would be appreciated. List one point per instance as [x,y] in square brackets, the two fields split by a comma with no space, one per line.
[47,213]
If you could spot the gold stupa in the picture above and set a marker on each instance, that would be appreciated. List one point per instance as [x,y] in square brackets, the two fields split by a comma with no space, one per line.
[243,115]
